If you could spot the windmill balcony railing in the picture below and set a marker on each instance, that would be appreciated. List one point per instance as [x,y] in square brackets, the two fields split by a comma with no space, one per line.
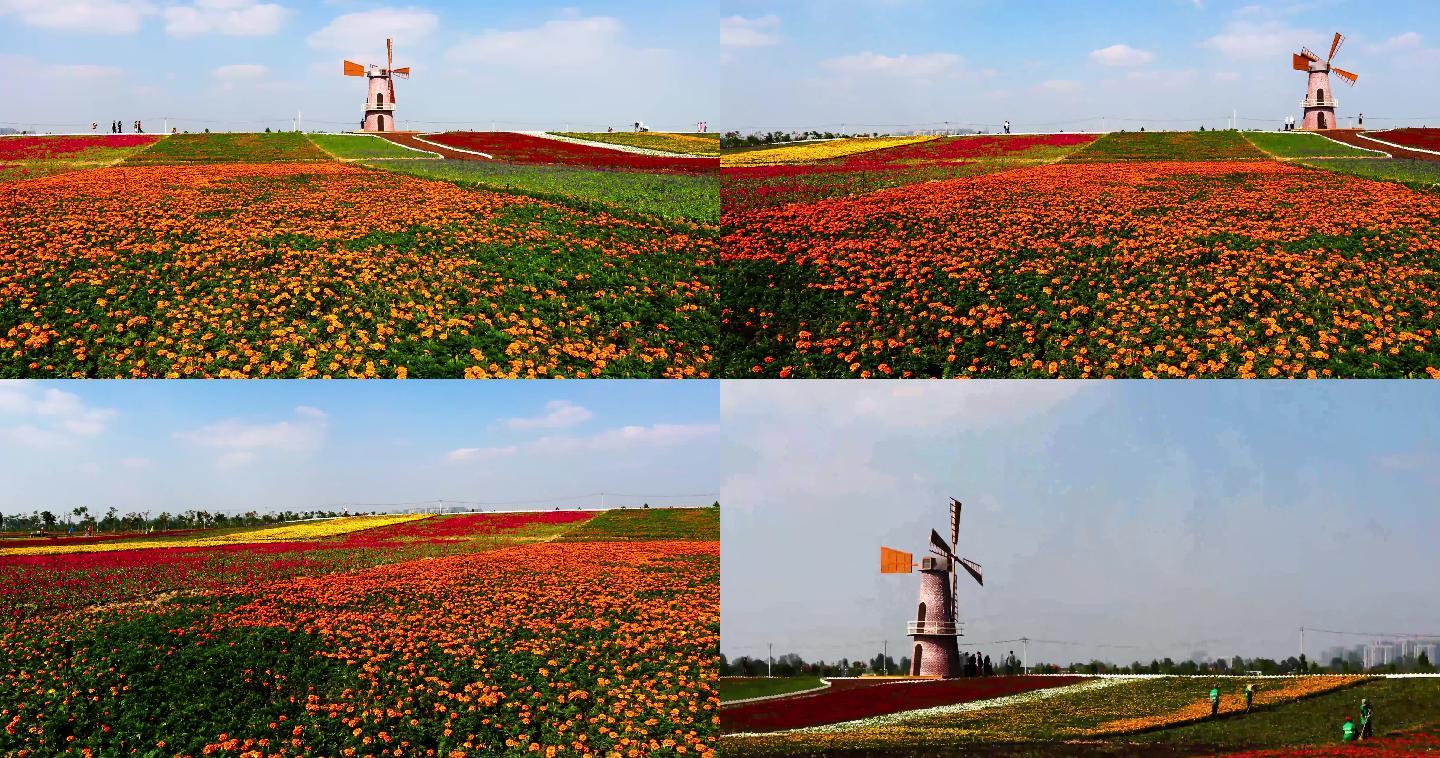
[943,628]
[1319,102]
[371,105]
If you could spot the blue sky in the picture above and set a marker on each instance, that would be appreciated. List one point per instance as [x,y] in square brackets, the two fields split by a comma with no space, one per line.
[1210,518]
[1048,64]
[234,446]
[248,64]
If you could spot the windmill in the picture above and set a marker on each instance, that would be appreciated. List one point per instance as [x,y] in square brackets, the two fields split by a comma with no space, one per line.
[380,102]
[935,628]
[1319,103]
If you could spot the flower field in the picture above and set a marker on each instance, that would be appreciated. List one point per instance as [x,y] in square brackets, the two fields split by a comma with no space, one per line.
[306,530]
[27,157]
[352,147]
[499,649]
[818,150]
[1423,139]
[329,269]
[511,147]
[1305,145]
[1168,146]
[665,142]
[750,187]
[279,147]
[1138,268]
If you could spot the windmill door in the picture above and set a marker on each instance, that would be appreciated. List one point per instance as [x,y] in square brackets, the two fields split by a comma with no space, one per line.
[1322,123]
[380,122]
[918,650]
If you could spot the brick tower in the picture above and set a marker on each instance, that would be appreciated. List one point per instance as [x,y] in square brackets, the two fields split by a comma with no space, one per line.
[1320,103]
[936,650]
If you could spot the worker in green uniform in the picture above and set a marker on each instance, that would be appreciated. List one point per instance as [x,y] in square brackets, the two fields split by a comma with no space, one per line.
[1348,730]
[1249,696]
[1366,731]
[1215,700]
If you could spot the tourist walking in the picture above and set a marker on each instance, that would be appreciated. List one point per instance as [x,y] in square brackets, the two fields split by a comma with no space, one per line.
[1215,700]
[1007,126]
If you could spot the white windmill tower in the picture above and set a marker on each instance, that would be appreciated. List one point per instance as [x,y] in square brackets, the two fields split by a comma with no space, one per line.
[936,627]
[380,102]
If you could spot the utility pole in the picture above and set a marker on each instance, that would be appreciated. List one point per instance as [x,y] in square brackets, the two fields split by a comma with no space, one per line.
[885,657]
[299,121]
[769,660]
[1025,655]
[1302,642]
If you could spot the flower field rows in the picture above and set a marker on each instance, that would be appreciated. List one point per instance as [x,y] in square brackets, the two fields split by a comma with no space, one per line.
[1423,139]
[750,187]
[665,142]
[307,530]
[512,147]
[543,649]
[328,269]
[279,147]
[819,150]
[1168,146]
[1130,269]
[29,157]
[1230,703]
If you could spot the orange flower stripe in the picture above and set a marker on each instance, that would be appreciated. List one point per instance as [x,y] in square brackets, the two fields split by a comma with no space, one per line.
[1268,694]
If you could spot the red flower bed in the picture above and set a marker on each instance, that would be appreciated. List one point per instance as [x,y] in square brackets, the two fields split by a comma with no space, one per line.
[471,525]
[523,148]
[28,148]
[848,703]
[80,538]
[1424,139]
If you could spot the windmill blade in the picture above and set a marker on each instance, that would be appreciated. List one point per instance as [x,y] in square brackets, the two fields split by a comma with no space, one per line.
[391,81]
[402,72]
[389,55]
[895,561]
[974,569]
[354,69]
[1299,62]
[954,595]
[1305,51]
[955,507]
[1346,75]
[1335,46]
[938,546]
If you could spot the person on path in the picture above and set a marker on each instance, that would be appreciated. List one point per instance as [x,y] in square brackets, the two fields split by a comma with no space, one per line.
[1215,700]
[1362,121]
[1249,696]
[1347,730]
[1007,126]
[1366,727]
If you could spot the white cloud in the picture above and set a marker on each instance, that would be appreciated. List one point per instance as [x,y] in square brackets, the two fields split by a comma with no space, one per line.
[928,64]
[738,31]
[94,16]
[1258,39]
[239,72]
[47,416]
[626,437]
[235,18]
[471,454]
[559,43]
[367,29]
[85,72]
[558,414]
[1058,86]
[135,463]
[911,404]
[242,441]
[1121,56]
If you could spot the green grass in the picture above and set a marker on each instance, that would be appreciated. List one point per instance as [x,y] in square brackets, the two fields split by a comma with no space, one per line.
[741,687]
[1400,704]
[649,524]
[361,147]
[278,147]
[671,197]
[33,168]
[1304,145]
[689,144]
[1421,175]
[1167,146]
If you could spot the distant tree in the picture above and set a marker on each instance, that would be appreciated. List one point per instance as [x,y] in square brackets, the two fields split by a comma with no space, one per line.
[1237,664]
[267,130]
[48,518]
[1422,663]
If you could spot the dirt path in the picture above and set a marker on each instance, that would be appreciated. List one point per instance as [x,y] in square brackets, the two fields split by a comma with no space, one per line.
[408,140]
[1353,139]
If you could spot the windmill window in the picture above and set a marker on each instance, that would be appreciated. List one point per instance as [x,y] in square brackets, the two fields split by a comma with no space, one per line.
[1320,95]
[921,619]
[380,98]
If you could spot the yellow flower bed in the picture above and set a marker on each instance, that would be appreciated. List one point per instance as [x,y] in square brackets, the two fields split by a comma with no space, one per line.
[1267,694]
[303,530]
[815,151]
[688,144]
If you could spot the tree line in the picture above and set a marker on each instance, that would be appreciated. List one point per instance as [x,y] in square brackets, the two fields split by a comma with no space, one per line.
[112,520]
[791,664]
[735,139]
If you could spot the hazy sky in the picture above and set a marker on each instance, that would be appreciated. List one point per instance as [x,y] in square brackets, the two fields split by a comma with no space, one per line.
[168,445]
[1046,64]
[248,64]
[1210,518]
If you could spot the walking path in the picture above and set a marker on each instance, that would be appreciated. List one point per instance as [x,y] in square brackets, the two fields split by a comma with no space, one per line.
[1354,138]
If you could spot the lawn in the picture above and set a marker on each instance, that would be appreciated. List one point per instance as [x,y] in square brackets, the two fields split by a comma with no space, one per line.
[28,157]
[1167,146]
[363,146]
[350,647]
[1422,175]
[743,688]
[1129,269]
[750,187]
[277,147]
[1400,704]
[649,524]
[513,147]
[670,196]
[331,269]
[665,142]
[1304,145]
